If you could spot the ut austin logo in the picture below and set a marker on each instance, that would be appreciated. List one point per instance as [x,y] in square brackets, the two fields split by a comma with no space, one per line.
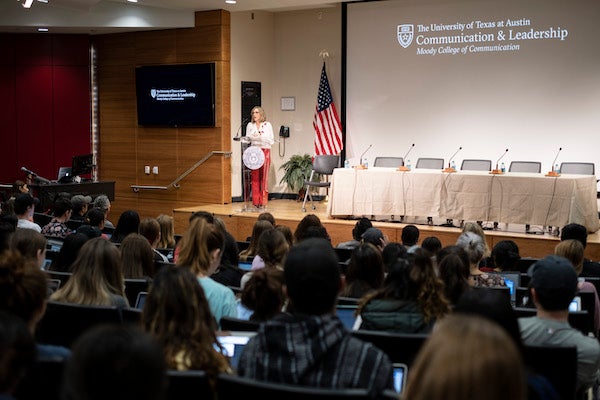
[153,93]
[405,34]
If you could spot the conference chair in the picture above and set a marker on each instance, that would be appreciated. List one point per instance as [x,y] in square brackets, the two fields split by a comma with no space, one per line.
[237,387]
[582,168]
[558,364]
[389,162]
[476,165]
[525,166]
[188,385]
[322,165]
[430,163]
[400,347]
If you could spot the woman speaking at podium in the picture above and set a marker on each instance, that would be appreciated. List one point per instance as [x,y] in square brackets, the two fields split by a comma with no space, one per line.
[260,133]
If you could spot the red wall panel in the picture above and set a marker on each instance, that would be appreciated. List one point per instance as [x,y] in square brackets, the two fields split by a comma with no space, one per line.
[8,122]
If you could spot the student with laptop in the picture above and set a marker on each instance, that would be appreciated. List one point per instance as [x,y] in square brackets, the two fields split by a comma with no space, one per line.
[309,345]
[553,285]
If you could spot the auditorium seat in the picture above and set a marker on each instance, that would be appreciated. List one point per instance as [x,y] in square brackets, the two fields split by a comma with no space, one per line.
[133,287]
[400,347]
[389,162]
[237,324]
[476,165]
[188,385]
[557,364]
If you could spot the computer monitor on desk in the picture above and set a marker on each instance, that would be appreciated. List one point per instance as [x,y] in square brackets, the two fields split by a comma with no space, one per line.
[83,164]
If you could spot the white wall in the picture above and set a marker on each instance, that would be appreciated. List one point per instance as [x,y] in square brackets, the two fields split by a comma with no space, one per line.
[281,51]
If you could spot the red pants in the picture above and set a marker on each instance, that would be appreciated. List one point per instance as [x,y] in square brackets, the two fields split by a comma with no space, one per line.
[260,181]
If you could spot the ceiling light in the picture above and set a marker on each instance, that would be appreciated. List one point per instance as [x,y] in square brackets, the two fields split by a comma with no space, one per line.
[132,1]
[27,3]
[231,1]
[42,29]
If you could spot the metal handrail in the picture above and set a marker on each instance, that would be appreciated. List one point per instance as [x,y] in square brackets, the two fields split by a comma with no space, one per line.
[175,183]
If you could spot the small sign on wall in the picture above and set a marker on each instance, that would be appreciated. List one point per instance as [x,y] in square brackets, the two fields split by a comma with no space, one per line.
[288,103]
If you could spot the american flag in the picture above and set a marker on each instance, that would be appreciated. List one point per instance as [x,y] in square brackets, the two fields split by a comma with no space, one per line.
[328,129]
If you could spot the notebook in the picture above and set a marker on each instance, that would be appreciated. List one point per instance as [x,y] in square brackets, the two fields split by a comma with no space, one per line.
[399,372]
[233,345]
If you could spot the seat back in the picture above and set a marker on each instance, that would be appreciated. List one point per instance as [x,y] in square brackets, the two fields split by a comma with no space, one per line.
[400,347]
[237,387]
[582,168]
[430,163]
[325,164]
[237,324]
[133,287]
[525,166]
[63,323]
[390,162]
[42,381]
[557,364]
[188,385]
[476,165]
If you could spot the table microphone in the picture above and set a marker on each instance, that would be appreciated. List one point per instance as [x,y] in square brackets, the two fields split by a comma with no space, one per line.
[555,158]
[453,155]
[503,154]
[364,152]
[406,155]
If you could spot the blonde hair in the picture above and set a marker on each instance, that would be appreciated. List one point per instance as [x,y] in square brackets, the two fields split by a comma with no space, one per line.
[572,250]
[167,232]
[478,230]
[197,244]
[263,116]
[97,275]
[455,363]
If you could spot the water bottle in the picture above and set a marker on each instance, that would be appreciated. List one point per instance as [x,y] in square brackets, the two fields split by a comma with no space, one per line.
[347,163]
[556,169]
[366,164]
[408,164]
[503,167]
[453,166]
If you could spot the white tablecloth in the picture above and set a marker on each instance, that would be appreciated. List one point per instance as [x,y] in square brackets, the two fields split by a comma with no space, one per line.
[521,198]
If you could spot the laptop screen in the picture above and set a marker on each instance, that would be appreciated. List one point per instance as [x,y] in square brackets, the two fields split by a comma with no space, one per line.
[345,312]
[399,373]
[513,281]
[141,300]
[233,345]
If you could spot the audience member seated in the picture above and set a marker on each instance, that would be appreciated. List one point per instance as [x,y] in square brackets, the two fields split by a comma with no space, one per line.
[266,216]
[57,228]
[201,248]
[68,252]
[572,250]
[262,297]
[505,257]
[24,289]
[17,353]
[137,257]
[30,244]
[410,301]
[8,226]
[20,187]
[474,245]
[102,203]
[410,238]
[307,221]
[376,237]
[365,272]
[390,253]
[319,232]
[454,271]
[167,232]
[433,245]
[24,207]
[287,233]
[309,345]
[129,222]
[97,278]
[228,272]
[553,285]
[579,232]
[259,227]
[80,206]
[272,249]
[150,229]
[94,224]
[476,228]
[178,316]
[359,228]
[467,357]
[115,362]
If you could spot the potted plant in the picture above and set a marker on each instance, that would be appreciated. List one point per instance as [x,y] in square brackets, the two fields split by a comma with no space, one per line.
[297,170]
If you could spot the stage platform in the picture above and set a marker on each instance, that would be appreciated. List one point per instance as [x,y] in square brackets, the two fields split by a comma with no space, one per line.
[239,223]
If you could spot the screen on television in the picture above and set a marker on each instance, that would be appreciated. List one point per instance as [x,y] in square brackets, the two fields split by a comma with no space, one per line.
[176,95]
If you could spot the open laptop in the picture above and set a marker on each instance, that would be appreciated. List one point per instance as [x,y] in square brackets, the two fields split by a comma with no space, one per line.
[64,174]
[141,300]
[345,313]
[399,373]
[575,304]
[233,343]
[512,279]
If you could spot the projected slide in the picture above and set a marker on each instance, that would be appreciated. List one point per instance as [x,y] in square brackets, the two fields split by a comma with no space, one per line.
[484,75]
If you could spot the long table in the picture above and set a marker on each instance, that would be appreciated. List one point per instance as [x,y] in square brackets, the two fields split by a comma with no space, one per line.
[521,198]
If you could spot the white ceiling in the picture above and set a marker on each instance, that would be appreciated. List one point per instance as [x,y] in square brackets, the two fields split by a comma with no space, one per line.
[105,16]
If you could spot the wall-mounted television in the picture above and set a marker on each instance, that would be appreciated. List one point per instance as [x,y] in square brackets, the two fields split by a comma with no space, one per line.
[176,95]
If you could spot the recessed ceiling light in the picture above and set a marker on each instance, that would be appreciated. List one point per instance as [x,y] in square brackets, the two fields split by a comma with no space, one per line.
[231,1]
[42,29]
[132,1]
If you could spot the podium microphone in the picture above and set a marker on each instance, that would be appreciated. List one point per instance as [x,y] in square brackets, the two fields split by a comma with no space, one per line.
[237,136]
[555,158]
[363,154]
[453,155]
[28,172]
[498,160]
[406,155]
